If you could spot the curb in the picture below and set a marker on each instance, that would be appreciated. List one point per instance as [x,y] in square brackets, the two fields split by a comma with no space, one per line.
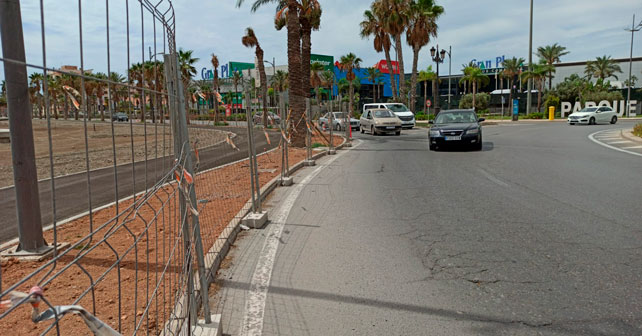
[628,134]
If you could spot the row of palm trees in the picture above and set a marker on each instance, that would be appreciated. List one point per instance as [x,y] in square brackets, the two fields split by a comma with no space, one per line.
[300,18]
[386,21]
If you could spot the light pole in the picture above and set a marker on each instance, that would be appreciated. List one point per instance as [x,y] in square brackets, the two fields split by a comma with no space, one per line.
[450,65]
[273,64]
[437,58]
[530,64]
[633,29]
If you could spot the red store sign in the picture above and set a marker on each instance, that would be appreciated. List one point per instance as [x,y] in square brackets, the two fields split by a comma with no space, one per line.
[383,67]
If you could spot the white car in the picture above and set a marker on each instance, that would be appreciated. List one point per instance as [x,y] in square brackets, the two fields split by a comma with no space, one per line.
[405,115]
[593,115]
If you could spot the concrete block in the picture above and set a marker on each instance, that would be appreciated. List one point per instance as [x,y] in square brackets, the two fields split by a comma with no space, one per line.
[255,220]
[309,163]
[210,329]
[4,135]
[347,144]
[40,255]
[332,152]
[287,181]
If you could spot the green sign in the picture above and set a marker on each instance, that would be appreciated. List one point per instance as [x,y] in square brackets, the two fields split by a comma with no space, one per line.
[239,66]
[325,60]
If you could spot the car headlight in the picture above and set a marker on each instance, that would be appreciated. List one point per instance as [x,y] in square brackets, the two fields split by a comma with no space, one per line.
[434,133]
[473,131]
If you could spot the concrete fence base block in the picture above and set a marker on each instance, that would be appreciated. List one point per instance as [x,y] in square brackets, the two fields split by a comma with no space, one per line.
[332,152]
[347,144]
[209,329]
[40,255]
[255,220]
[309,163]
[5,135]
[287,181]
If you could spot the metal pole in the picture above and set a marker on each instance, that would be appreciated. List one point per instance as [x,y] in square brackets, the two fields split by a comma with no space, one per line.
[450,65]
[331,121]
[248,116]
[182,146]
[308,135]
[530,64]
[436,94]
[628,93]
[25,176]
[256,165]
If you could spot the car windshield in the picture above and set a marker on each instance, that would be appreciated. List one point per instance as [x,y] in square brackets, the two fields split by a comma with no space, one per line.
[339,115]
[589,109]
[455,117]
[383,114]
[397,108]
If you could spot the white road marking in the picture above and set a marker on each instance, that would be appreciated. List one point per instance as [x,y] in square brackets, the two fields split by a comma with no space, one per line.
[493,178]
[619,142]
[255,304]
[592,138]
[609,138]
[632,147]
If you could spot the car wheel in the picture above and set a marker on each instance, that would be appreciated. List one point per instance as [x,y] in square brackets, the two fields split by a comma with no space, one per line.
[613,120]
[478,146]
[337,128]
[592,121]
[372,130]
[398,133]
[362,131]
[432,147]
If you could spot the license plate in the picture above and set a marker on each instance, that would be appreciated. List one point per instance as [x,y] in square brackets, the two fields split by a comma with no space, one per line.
[390,127]
[453,138]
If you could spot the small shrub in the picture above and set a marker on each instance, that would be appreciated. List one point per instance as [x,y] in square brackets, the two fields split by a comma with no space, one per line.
[637,130]
[481,101]
[535,115]
[317,145]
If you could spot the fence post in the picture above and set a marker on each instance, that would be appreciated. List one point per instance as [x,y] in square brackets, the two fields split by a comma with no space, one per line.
[21,133]
[182,144]
[250,144]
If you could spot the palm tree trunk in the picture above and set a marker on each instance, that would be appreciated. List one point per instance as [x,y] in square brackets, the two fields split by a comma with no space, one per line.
[434,89]
[297,94]
[306,49]
[398,47]
[351,108]
[550,81]
[539,96]
[391,73]
[425,95]
[510,92]
[413,78]
[66,111]
[263,78]
[474,92]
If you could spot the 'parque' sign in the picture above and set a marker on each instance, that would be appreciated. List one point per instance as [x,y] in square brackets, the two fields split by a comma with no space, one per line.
[618,106]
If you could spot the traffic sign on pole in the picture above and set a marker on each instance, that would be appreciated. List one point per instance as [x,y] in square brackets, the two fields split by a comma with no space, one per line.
[428,103]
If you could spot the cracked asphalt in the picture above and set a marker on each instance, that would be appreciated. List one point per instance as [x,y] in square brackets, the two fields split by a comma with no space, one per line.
[538,234]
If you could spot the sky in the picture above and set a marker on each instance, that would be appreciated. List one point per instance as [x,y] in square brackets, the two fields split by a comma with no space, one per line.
[481,30]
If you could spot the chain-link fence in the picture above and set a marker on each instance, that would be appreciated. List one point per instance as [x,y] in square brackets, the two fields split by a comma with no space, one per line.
[137,199]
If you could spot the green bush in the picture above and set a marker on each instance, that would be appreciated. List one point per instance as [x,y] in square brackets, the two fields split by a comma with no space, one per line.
[481,101]
[237,116]
[535,115]
[422,116]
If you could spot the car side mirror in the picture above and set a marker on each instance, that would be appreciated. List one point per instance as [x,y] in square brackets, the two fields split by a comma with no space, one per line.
[481,119]
[431,122]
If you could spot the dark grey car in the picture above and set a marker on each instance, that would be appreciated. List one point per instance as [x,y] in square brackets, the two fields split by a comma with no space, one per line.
[456,127]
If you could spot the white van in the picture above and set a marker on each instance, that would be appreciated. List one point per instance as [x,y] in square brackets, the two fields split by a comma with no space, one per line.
[405,115]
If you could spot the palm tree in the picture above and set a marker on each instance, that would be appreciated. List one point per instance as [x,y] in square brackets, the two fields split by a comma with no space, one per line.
[424,76]
[538,74]
[395,14]
[512,68]
[373,24]
[53,89]
[297,91]
[327,79]
[215,64]
[348,64]
[236,80]
[316,81]
[422,25]
[602,68]
[186,67]
[550,55]
[475,76]
[373,74]
[251,41]
[136,78]
[35,81]
[280,80]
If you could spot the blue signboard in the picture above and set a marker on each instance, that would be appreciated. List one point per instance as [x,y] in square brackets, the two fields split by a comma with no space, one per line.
[515,107]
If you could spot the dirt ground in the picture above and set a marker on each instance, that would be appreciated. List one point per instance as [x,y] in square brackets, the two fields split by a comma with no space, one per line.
[68,140]
[145,235]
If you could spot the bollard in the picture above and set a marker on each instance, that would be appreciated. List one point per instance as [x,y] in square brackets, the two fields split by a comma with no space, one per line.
[551,113]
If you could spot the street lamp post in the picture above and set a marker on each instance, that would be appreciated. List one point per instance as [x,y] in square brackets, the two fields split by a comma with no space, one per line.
[633,29]
[530,64]
[437,58]
[273,64]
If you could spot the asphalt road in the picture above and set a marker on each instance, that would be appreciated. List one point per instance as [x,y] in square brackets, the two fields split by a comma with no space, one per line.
[72,191]
[538,234]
